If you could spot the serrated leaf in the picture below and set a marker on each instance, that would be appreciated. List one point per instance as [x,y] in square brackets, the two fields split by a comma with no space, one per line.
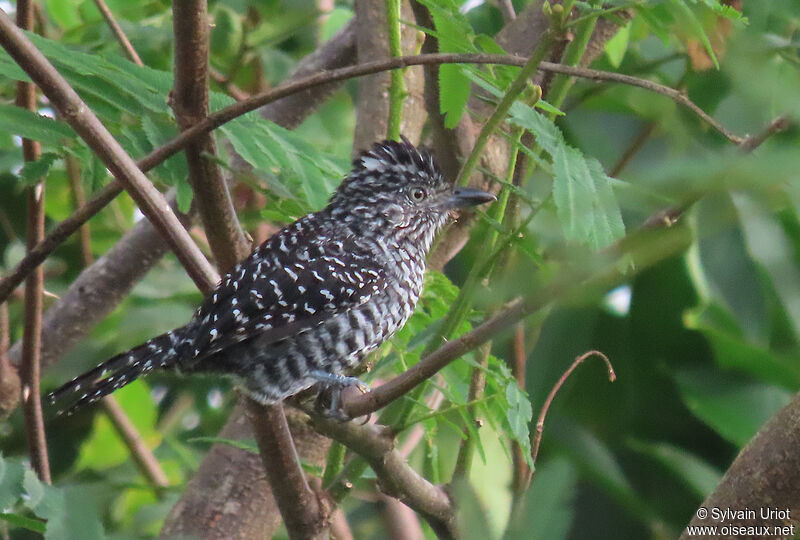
[454,90]
[585,202]
[519,416]
[29,125]
[34,171]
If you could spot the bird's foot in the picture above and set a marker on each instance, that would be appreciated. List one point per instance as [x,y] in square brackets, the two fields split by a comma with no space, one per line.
[329,400]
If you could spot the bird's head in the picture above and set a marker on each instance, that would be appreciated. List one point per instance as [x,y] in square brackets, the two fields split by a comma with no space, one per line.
[400,186]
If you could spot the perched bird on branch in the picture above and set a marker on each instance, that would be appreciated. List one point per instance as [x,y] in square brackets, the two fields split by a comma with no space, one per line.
[309,303]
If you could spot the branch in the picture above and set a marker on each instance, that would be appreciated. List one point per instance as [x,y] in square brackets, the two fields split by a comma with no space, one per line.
[91,130]
[302,511]
[537,436]
[299,86]
[641,244]
[98,290]
[765,474]
[189,100]
[130,52]
[376,445]
[34,286]
[144,458]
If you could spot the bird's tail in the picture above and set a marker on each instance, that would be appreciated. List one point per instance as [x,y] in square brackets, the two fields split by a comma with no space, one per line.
[118,371]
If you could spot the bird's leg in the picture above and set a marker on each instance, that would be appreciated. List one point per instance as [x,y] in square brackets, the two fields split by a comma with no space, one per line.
[335,384]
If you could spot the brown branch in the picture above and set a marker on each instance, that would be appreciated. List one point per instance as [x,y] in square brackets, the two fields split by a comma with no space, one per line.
[98,290]
[70,106]
[299,86]
[340,529]
[302,512]
[79,198]
[118,33]
[537,434]
[36,256]
[189,100]
[396,478]
[400,521]
[752,142]
[34,285]
[144,458]
[765,474]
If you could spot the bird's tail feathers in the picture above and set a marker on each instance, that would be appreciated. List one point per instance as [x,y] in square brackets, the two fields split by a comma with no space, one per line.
[118,371]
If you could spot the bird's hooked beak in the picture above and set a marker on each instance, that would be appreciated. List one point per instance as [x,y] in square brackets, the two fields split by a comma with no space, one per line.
[463,197]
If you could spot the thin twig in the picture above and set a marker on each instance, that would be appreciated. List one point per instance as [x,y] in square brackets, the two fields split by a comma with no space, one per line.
[752,142]
[72,108]
[79,198]
[537,435]
[633,149]
[221,117]
[118,33]
[34,285]
[144,458]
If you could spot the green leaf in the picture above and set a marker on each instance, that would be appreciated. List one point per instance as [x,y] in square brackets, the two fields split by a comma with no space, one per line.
[519,416]
[696,473]
[734,407]
[473,520]
[733,351]
[12,474]
[585,202]
[689,21]
[454,91]
[104,448]
[24,522]
[29,125]
[618,45]
[246,445]
[34,171]
[548,510]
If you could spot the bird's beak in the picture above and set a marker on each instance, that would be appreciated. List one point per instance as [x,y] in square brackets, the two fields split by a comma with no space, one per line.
[462,197]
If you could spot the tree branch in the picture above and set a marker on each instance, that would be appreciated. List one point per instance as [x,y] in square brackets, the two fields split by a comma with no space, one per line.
[91,130]
[396,478]
[34,285]
[300,508]
[189,100]
[297,88]
[130,52]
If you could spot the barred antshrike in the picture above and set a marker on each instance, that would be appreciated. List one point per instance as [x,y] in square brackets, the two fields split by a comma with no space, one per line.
[315,298]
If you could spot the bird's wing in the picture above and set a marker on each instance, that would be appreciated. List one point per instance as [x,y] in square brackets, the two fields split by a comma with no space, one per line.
[292,283]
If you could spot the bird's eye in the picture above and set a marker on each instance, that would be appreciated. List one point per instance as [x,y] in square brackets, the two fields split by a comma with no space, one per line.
[417,194]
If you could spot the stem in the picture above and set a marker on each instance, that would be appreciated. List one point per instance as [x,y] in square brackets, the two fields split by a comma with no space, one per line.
[514,90]
[397,86]
[34,285]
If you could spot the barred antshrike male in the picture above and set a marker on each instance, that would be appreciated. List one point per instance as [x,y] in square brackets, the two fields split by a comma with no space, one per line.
[315,298]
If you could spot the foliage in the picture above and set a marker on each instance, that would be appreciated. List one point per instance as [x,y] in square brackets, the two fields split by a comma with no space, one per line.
[706,343]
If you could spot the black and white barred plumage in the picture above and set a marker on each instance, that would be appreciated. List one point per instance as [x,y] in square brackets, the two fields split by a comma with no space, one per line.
[316,297]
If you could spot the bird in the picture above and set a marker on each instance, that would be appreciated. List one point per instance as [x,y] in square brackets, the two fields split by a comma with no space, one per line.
[307,305]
